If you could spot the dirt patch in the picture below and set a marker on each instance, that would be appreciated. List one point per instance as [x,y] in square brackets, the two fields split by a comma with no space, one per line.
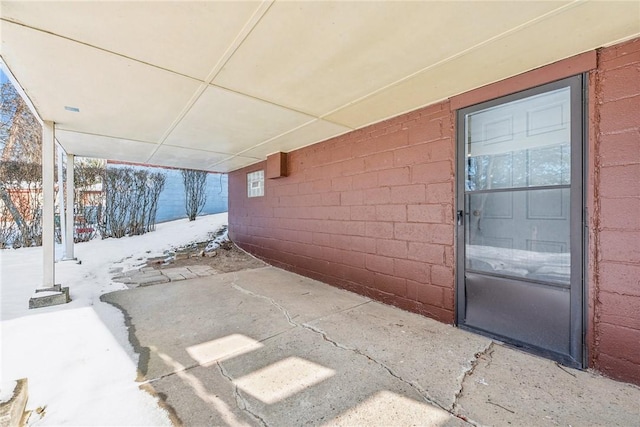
[228,258]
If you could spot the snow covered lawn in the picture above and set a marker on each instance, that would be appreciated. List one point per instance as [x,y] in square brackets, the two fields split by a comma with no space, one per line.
[77,357]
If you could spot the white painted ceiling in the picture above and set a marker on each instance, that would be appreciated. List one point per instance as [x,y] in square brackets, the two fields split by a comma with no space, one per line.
[220,85]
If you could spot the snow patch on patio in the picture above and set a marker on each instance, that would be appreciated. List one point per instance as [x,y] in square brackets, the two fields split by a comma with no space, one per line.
[6,390]
[76,356]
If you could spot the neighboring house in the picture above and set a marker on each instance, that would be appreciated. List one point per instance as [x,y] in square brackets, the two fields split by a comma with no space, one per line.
[171,201]
[512,210]
[26,200]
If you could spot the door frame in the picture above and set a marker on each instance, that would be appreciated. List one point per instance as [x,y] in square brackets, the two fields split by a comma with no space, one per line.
[578,214]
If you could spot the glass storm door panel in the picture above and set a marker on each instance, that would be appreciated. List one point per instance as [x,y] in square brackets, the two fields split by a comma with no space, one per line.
[520,219]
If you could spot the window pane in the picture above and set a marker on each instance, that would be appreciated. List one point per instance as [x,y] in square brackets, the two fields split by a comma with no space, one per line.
[522,143]
[520,234]
[255,184]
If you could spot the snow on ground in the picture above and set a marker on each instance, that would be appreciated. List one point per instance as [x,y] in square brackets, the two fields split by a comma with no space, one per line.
[77,356]
[6,390]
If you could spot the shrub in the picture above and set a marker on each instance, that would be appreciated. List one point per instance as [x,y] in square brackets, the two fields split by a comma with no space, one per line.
[131,201]
[195,184]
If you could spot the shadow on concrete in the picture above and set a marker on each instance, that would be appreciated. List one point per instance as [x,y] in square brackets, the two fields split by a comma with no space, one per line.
[268,347]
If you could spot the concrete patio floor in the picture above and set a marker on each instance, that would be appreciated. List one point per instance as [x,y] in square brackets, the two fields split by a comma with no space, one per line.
[267,347]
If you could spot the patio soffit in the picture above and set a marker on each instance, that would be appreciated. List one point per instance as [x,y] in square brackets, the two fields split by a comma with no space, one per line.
[220,85]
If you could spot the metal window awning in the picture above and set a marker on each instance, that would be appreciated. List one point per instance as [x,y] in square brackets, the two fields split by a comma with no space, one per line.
[221,85]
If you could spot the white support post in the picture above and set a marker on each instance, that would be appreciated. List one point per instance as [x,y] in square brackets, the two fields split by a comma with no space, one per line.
[48,293]
[69,247]
[48,209]
[63,233]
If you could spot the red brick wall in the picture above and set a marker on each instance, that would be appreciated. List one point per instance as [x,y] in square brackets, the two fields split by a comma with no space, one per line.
[370,211]
[373,211]
[616,225]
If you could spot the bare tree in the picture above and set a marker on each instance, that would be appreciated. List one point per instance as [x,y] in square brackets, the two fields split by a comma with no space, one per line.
[21,145]
[195,184]
[20,131]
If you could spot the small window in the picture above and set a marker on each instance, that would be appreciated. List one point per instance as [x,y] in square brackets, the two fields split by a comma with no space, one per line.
[255,184]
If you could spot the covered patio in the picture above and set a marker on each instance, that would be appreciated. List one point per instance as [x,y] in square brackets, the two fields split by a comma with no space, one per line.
[224,86]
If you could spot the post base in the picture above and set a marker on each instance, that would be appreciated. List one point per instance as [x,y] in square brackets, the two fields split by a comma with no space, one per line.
[46,297]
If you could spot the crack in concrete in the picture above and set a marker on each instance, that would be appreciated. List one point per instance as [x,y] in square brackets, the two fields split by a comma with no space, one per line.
[203,364]
[241,402]
[562,368]
[284,311]
[486,352]
[271,300]
[342,311]
[422,392]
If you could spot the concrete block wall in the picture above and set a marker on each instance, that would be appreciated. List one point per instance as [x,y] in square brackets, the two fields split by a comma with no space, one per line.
[616,229]
[370,211]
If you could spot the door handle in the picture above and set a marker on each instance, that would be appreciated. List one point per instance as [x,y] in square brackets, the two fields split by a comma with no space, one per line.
[460,217]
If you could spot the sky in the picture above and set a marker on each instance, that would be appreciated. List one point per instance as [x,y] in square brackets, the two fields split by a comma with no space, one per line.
[3,80]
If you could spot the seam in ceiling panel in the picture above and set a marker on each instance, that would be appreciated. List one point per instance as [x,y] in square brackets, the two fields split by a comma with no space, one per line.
[284,134]
[513,30]
[266,101]
[62,128]
[233,47]
[9,21]
[240,153]
[528,31]
[202,150]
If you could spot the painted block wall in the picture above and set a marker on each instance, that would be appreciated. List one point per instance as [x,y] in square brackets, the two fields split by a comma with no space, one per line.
[616,192]
[372,211]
